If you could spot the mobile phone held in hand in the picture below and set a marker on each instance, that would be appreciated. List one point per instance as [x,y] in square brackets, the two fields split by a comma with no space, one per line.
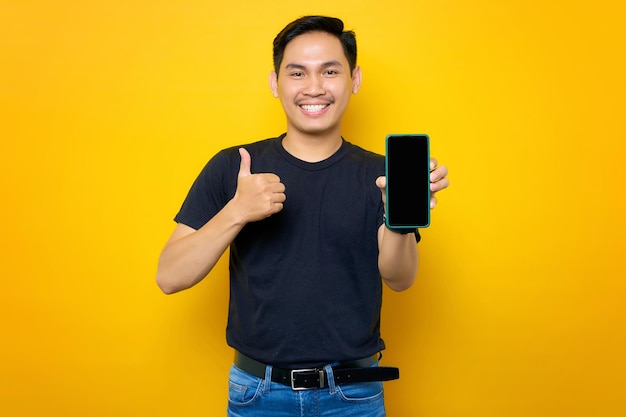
[407,167]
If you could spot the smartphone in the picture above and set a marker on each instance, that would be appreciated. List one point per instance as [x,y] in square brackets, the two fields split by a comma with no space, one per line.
[407,167]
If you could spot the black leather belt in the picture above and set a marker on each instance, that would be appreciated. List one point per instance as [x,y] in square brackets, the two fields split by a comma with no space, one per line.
[300,379]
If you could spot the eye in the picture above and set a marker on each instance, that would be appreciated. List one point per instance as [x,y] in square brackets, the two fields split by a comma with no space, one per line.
[331,72]
[296,74]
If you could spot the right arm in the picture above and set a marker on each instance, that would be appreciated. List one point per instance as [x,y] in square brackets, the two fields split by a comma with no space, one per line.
[189,254]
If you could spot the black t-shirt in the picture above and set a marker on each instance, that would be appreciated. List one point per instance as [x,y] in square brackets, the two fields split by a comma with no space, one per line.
[305,289]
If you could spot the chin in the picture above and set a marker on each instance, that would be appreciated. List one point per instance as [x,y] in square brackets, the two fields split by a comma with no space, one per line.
[316,129]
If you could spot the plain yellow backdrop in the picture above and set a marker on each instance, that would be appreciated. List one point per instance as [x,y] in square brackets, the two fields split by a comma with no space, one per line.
[109,109]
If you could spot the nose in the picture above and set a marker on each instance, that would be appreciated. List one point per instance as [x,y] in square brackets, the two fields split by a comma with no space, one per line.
[315,86]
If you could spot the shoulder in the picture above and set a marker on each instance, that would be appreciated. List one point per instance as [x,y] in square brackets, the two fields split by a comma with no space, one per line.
[225,163]
[231,154]
[364,156]
[259,146]
[357,151]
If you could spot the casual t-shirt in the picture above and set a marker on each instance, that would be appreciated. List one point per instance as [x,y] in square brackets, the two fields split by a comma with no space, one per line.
[305,289]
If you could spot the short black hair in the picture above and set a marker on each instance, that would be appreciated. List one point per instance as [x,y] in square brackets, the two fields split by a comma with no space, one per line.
[307,24]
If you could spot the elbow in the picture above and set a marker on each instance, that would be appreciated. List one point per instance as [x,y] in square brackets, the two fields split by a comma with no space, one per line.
[165,285]
[399,273]
[399,285]
[167,290]
[171,282]
[398,280]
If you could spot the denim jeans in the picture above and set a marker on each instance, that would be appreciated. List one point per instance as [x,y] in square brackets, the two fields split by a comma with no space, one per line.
[249,395]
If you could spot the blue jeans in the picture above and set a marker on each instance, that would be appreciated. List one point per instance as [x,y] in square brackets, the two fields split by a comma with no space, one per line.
[249,395]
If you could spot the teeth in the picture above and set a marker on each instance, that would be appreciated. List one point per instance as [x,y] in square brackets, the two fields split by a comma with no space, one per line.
[313,107]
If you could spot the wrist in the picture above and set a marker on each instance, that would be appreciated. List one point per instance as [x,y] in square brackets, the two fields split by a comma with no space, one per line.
[399,230]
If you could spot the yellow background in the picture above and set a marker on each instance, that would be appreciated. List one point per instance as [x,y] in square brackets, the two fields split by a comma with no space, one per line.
[109,109]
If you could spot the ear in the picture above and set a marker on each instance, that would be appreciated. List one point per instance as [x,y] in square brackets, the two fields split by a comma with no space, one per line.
[274,83]
[356,80]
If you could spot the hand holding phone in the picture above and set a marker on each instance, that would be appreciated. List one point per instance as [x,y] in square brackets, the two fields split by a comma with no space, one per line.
[407,168]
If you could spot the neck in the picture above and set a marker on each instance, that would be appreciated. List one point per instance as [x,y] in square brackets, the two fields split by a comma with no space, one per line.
[312,148]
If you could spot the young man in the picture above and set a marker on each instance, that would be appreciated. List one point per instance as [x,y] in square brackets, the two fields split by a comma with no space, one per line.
[303,217]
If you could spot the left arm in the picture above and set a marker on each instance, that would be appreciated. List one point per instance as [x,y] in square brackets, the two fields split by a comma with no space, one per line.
[397,258]
[397,253]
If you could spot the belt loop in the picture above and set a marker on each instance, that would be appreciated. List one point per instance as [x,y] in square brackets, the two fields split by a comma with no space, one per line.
[268,379]
[330,379]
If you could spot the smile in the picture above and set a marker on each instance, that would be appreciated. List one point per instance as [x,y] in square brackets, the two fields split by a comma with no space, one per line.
[313,108]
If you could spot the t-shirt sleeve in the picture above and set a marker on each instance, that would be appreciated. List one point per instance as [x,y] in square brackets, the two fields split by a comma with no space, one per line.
[209,193]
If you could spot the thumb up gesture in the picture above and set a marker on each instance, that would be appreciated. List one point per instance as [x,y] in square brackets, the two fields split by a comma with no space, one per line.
[258,196]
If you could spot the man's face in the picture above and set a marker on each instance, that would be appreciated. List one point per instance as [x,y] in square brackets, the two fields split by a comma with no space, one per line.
[315,84]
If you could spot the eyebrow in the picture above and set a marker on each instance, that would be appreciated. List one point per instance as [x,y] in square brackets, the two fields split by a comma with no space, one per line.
[324,65]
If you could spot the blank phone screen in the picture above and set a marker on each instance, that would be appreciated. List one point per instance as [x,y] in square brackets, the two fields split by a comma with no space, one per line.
[408,181]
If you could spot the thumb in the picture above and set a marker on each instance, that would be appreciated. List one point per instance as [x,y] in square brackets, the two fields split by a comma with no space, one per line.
[381,182]
[244,167]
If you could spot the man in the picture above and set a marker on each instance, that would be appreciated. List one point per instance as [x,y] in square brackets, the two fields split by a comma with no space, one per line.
[303,217]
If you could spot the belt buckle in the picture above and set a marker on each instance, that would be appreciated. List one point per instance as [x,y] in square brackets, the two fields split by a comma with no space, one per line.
[298,371]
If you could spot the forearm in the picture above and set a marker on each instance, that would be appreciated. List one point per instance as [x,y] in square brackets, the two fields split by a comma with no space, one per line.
[191,254]
[397,259]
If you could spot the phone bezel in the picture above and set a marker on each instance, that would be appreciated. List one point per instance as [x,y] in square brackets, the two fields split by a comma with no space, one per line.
[387,220]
